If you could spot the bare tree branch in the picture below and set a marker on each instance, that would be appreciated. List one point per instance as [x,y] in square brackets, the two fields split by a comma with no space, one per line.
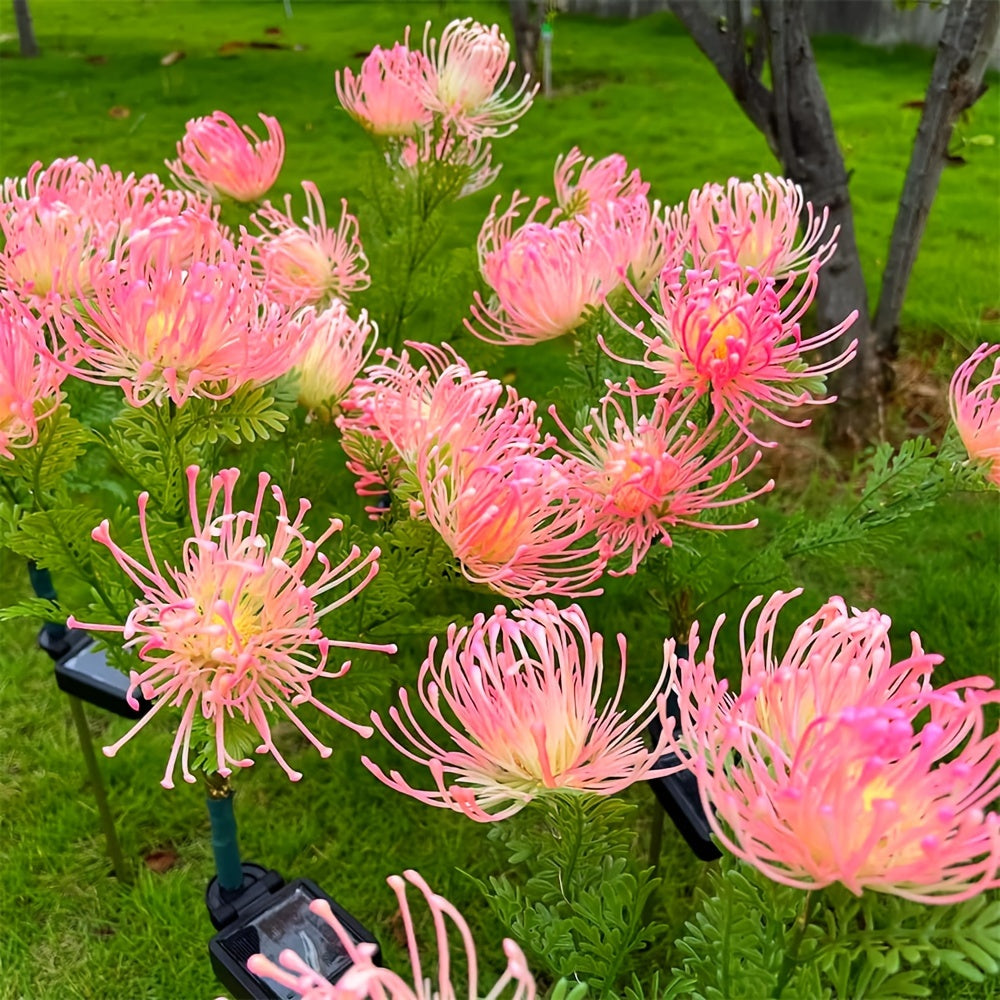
[969,31]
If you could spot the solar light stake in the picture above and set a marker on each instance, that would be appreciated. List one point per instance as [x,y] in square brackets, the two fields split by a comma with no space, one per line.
[100,795]
[225,847]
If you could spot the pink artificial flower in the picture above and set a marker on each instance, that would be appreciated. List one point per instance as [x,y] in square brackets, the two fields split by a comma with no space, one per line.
[518,696]
[545,278]
[582,183]
[221,159]
[310,264]
[508,514]
[976,409]
[29,380]
[727,336]
[366,979]
[634,237]
[473,67]
[180,313]
[755,224]
[234,631]
[56,221]
[399,406]
[646,475]
[339,348]
[835,764]
[391,93]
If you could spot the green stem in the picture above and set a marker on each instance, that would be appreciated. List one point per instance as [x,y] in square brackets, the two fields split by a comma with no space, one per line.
[121,869]
[569,869]
[790,959]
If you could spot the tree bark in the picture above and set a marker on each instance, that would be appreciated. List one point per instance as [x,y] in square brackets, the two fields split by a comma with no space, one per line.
[794,117]
[526,18]
[956,83]
[25,29]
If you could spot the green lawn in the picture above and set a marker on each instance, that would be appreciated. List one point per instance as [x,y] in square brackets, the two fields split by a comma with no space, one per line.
[640,88]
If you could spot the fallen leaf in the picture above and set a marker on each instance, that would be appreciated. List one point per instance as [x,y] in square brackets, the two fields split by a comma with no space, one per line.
[227,48]
[119,111]
[990,313]
[172,57]
[97,60]
[267,45]
[273,30]
[161,860]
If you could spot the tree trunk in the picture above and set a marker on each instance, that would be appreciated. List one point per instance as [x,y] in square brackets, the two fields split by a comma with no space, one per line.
[25,29]
[794,117]
[526,18]
[969,31]
[809,153]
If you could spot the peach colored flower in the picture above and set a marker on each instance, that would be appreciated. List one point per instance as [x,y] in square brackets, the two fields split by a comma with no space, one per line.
[647,475]
[582,183]
[310,264]
[473,68]
[976,409]
[836,764]
[518,696]
[233,632]
[180,313]
[507,512]
[391,93]
[58,219]
[339,348]
[545,278]
[221,159]
[29,380]
[755,224]
[398,406]
[724,333]
[366,979]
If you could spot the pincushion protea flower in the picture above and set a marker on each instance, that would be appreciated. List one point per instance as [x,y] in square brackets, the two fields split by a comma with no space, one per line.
[390,95]
[219,158]
[29,380]
[755,224]
[365,979]
[544,277]
[976,409]
[581,184]
[724,332]
[309,264]
[180,313]
[508,513]
[58,219]
[518,697]
[646,475]
[835,764]
[233,633]
[338,349]
[472,70]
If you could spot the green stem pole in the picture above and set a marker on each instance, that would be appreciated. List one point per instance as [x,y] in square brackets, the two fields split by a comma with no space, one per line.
[225,846]
[104,812]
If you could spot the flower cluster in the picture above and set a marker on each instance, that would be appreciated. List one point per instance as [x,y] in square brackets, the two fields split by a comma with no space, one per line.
[835,764]
[366,979]
[518,697]
[548,272]
[433,110]
[465,453]
[233,632]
